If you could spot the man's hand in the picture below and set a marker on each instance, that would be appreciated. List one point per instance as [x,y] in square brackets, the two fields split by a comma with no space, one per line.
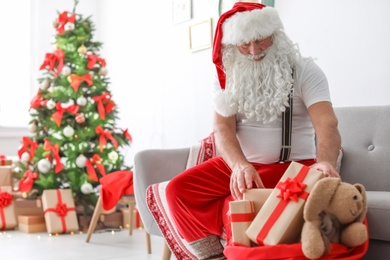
[242,178]
[326,168]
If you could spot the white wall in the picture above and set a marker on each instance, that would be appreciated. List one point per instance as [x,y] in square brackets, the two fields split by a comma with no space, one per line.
[163,90]
[350,38]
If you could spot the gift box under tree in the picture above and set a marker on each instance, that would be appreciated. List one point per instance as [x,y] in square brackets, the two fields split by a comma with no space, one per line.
[7,212]
[5,171]
[280,220]
[59,211]
[31,224]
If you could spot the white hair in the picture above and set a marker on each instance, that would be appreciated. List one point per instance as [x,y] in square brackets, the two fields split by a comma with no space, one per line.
[259,89]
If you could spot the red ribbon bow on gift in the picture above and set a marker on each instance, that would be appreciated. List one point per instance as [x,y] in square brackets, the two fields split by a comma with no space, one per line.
[63,19]
[127,134]
[37,101]
[96,160]
[75,80]
[52,58]
[92,59]
[5,200]
[61,209]
[103,110]
[103,135]
[57,116]
[55,150]
[291,189]
[28,146]
[26,183]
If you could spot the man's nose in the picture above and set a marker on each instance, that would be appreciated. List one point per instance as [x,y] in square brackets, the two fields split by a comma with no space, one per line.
[254,49]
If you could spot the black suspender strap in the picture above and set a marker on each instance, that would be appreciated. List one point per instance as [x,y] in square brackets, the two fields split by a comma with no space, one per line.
[287,129]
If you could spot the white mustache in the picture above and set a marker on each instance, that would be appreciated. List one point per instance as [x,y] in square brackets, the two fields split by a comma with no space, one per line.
[256,57]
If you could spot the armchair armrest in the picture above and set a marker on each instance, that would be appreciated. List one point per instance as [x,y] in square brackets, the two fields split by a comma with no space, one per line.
[154,166]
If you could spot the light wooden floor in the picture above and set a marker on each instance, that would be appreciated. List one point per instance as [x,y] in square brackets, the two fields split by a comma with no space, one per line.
[104,244]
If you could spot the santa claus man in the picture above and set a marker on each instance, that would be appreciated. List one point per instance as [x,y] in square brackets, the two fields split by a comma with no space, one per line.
[260,76]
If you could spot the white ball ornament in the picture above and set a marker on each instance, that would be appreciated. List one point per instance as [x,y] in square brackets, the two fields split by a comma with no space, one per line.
[81,101]
[25,157]
[50,104]
[103,71]
[66,70]
[44,166]
[86,188]
[80,161]
[44,84]
[113,156]
[68,131]
[69,26]
[32,127]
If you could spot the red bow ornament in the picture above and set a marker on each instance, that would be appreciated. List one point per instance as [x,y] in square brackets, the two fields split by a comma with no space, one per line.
[37,101]
[93,59]
[75,80]
[26,183]
[51,59]
[28,146]
[55,150]
[96,160]
[63,19]
[103,135]
[57,116]
[127,134]
[104,104]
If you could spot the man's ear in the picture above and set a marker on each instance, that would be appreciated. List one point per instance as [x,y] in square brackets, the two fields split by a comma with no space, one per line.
[319,197]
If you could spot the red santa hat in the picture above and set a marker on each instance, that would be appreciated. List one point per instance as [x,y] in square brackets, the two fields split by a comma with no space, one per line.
[243,23]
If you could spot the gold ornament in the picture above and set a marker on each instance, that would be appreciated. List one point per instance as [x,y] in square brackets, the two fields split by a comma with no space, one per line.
[82,49]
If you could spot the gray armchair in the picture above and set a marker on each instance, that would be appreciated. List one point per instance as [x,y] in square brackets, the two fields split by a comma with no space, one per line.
[365,135]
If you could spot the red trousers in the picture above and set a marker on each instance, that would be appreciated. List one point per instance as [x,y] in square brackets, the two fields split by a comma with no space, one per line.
[198,197]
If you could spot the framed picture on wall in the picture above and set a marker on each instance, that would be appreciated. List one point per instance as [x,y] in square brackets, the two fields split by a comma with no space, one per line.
[181,11]
[200,35]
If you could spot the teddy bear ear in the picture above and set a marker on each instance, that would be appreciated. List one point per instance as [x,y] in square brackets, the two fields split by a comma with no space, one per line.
[362,191]
[320,197]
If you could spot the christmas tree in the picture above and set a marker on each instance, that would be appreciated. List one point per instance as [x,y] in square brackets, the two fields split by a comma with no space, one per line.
[74,139]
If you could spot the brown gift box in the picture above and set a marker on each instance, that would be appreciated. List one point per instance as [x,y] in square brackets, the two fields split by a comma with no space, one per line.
[28,207]
[258,197]
[280,220]
[7,210]
[241,214]
[126,218]
[32,224]
[113,220]
[6,176]
[59,211]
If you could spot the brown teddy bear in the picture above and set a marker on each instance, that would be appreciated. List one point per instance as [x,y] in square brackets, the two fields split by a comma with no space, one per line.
[333,212]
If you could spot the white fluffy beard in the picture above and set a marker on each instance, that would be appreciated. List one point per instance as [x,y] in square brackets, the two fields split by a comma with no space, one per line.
[260,89]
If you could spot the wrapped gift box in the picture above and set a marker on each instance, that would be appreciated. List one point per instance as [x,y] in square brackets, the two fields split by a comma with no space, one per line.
[126,218]
[112,220]
[7,210]
[6,175]
[4,160]
[241,215]
[258,197]
[28,207]
[32,224]
[280,220]
[59,211]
